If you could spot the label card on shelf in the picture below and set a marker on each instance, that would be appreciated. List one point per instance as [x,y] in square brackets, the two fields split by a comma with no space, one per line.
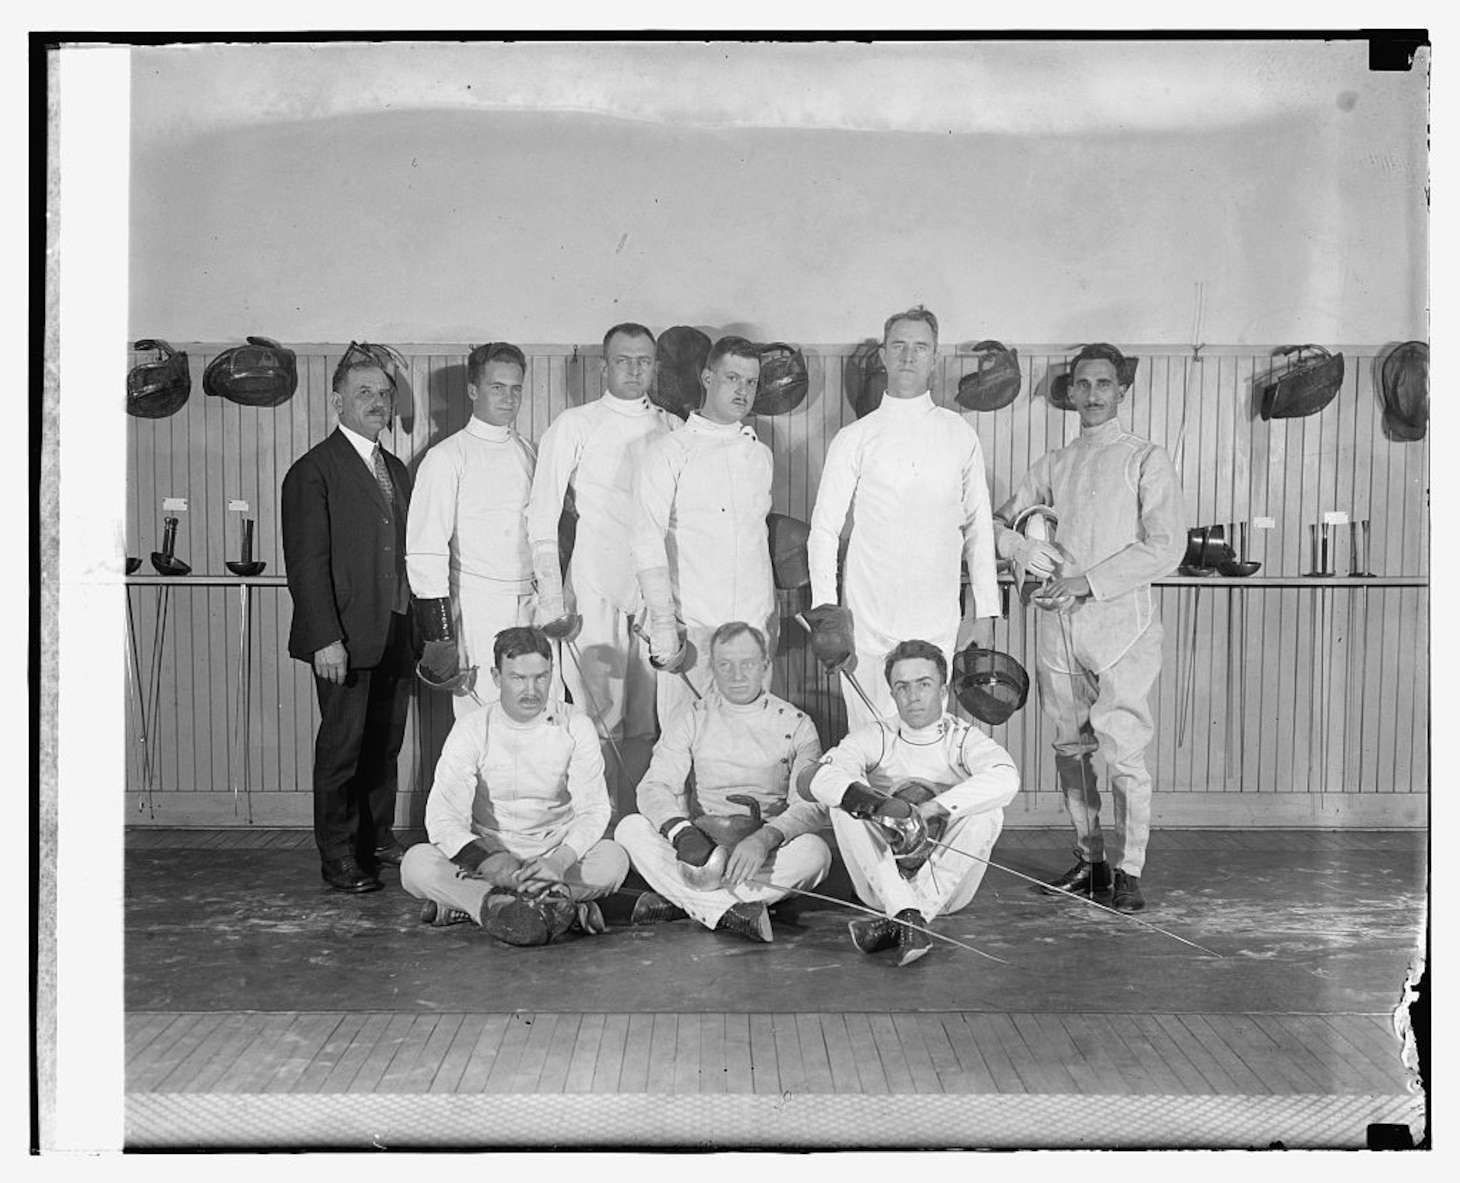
[1263,524]
[238,506]
[1336,518]
[175,503]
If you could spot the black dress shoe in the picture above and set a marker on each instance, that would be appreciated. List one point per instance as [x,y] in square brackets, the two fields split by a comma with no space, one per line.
[345,874]
[1128,896]
[1091,879]
[751,921]
[388,855]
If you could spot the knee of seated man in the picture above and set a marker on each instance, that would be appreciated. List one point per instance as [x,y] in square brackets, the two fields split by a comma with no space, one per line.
[634,830]
[415,865]
[605,866]
[812,850]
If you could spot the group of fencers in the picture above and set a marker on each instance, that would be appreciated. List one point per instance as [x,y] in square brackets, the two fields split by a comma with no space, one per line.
[631,687]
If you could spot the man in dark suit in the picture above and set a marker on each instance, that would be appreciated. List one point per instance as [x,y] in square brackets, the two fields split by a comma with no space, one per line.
[344,520]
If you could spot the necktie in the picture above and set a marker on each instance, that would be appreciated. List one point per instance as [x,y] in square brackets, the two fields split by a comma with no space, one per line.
[382,478]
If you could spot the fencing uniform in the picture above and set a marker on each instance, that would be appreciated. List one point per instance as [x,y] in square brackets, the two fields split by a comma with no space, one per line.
[756,750]
[912,474]
[703,497]
[592,455]
[529,789]
[974,778]
[1122,521]
[466,538]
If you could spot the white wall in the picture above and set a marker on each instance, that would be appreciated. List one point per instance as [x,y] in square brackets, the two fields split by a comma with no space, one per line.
[335,213]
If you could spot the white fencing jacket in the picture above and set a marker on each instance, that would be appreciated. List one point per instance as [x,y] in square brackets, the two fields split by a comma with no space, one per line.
[756,749]
[970,772]
[912,474]
[1123,522]
[467,517]
[703,496]
[521,787]
[596,450]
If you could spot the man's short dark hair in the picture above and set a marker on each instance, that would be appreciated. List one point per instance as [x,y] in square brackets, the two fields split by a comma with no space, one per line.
[1100,351]
[519,641]
[732,347]
[736,628]
[909,650]
[629,329]
[478,359]
[916,312]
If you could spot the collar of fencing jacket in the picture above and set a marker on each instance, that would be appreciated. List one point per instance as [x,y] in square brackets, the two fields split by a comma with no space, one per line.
[906,408]
[488,431]
[626,406]
[1102,433]
[697,422]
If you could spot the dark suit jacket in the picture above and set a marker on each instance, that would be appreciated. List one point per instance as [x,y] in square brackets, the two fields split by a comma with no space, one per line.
[343,551]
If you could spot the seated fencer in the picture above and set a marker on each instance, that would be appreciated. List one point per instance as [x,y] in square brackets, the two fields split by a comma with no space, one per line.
[892,784]
[517,811]
[719,835]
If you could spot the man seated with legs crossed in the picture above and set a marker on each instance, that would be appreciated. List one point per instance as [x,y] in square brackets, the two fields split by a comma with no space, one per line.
[517,811]
[896,782]
[738,840]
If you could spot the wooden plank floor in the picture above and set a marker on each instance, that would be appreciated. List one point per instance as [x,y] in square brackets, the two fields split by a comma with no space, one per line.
[803,1053]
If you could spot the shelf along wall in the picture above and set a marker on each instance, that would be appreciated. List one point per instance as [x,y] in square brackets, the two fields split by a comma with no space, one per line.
[1283,701]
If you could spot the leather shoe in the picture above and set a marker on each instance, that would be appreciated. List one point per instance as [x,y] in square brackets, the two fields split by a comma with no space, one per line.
[1128,896]
[1084,878]
[653,908]
[438,916]
[747,920]
[873,935]
[911,944]
[345,874]
[390,854]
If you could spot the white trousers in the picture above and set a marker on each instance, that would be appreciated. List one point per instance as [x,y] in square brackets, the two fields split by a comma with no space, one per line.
[428,874]
[801,862]
[615,688]
[482,612]
[945,883]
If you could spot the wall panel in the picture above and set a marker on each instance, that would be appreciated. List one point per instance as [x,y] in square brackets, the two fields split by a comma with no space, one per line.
[1308,697]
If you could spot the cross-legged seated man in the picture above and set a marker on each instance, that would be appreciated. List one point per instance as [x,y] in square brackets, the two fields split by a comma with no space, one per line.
[517,811]
[921,773]
[738,840]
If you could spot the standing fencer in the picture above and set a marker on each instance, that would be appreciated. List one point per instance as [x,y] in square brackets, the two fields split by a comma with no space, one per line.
[466,536]
[1121,524]
[912,474]
[925,770]
[343,511]
[517,811]
[590,458]
[699,543]
[699,847]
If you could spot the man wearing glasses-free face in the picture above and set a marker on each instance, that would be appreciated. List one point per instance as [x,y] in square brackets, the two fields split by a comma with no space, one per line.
[589,459]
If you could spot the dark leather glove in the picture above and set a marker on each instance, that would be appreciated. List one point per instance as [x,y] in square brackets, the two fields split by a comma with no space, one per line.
[831,636]
[691,844]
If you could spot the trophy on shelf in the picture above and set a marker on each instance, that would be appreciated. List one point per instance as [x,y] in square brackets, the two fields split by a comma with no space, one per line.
[1239,566]
[165,562]
[246,564]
